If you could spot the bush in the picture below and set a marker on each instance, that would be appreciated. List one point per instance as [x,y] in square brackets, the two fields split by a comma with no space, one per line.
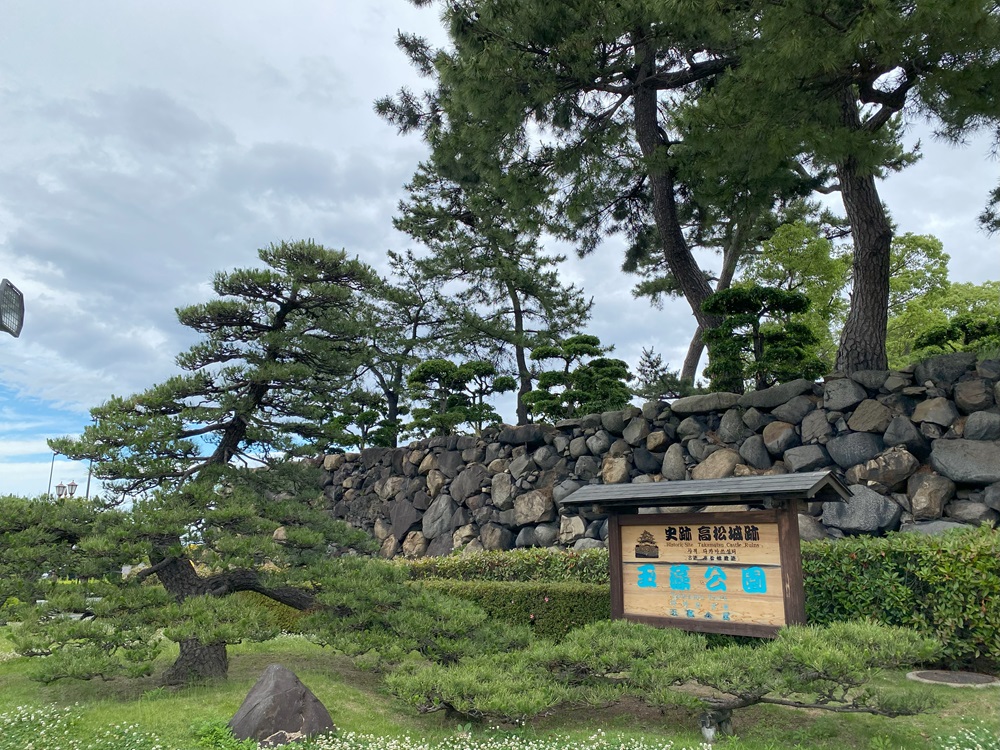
[278,615]
[543,565]
[551,609]
[945,586]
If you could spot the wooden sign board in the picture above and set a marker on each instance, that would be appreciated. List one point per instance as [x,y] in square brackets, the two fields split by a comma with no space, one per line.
[738,572]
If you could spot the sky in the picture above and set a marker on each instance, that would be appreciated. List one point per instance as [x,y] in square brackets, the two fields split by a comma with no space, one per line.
[144,146]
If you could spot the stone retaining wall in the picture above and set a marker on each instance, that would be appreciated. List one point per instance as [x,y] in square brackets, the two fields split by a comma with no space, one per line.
[920,449]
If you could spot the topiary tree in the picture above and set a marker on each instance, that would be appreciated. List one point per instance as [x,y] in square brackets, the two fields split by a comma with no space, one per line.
[586,383]
[455,395]
[760,340]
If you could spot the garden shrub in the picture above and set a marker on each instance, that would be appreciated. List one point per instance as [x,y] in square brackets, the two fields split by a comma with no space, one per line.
[543,565]
[281,616]
[944,586]
[550,609]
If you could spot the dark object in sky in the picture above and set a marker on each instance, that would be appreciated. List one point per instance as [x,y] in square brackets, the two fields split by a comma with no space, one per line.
[11,308]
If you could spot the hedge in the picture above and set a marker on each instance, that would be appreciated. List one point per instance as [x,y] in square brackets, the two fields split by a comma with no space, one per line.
[946,586]
[551,609]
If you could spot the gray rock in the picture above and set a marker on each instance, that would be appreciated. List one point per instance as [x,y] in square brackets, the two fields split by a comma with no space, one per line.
[854,448]
[732,429]
[561,444]
[944,369]
[636,431]
[437,520]
[502,491]
[652,409]
[806,458]
[867,512]
[870,416]
[700,448]
[718,465]
[464,535]
[939,411]
[578,447]
[931,528]
[873,380]
[587,467]
[619,448]
[754,452]
[973,395]
[897,382]
[389,548]
[279,709]
[982,425]
[646,462]
[811,530]
[582,544]
[966,511]
[704,404]
[564,489]
[756,420]
[795,410]
[525,537]
[521,466]
[440,546]
[898,404]
[530,435]
[902,431]
[403,517]
[815,427]
[546,534]
[775,395]
[992,496]
[691,427]
[436,480]
[469,482]
[534,507]
[989,369]
[599,443]
[842,394]
[779,437]
[674,469]
[545,457]
[967,461]
[614,422]
[496,537]
[450,463]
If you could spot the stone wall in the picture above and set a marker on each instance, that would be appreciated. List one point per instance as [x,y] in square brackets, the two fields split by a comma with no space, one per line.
[919,448]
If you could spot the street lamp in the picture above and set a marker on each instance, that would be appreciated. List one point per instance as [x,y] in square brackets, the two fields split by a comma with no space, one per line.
[66,490]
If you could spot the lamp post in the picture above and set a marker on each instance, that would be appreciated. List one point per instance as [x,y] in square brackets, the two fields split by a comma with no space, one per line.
[66,490]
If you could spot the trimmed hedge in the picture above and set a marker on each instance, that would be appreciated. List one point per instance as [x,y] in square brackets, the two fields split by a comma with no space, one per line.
[281,616]
[551,609]
[544,565]
[945,586]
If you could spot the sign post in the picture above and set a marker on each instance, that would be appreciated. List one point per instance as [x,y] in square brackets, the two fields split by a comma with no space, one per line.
[737,572]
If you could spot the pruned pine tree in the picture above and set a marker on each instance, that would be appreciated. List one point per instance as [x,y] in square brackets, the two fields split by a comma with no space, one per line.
[277,344]
[655,381]
[760,342]
[455,394]
[586,382]
[509,297]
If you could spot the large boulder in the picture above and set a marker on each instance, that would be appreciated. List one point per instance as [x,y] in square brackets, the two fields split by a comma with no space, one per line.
[887,470]
[437,520]
[795,410]
[854,448]
[806,458]
[973,395]
[403,517]
[636,431]
[939,411]
[902,431]
[704,404]
[967,461]
[732,429]
[870,416]
[530,435]
[469,482]
[279,709]
[779,437]
[928,494]
[534,507]
[754,452]
[775,395]
[614,470]
[816,428]
[674,467]
[842,394]
[982,425]
[945,369]
[967,511]
[867,512]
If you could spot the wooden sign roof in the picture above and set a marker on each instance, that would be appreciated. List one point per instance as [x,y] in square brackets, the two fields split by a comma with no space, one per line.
[822,486]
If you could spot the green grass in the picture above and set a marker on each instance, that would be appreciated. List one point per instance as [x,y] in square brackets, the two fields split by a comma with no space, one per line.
[358,705]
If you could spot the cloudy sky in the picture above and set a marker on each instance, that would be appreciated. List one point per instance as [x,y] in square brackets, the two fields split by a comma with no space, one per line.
[144,146]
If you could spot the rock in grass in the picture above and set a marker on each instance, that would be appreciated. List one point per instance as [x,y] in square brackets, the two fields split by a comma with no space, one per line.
[279,709]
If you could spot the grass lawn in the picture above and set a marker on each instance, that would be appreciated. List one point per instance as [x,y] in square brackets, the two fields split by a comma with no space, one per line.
[357,704]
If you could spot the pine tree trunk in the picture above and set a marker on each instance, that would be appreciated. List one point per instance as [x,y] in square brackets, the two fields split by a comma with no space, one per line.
[197,662]
[523,373]
[649,135]
[690,369]
[862,342]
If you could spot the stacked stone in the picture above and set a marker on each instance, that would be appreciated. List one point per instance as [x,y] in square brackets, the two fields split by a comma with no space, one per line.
[919,447]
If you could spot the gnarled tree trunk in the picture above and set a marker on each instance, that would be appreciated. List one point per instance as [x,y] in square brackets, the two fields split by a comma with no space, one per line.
[198,661]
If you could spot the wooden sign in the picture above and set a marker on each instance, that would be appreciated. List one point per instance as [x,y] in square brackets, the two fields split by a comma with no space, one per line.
[737,572]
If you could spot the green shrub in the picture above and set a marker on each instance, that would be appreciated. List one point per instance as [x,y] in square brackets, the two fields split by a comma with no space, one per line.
[550,609]
[281,616]
[544,565]
[944,586]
